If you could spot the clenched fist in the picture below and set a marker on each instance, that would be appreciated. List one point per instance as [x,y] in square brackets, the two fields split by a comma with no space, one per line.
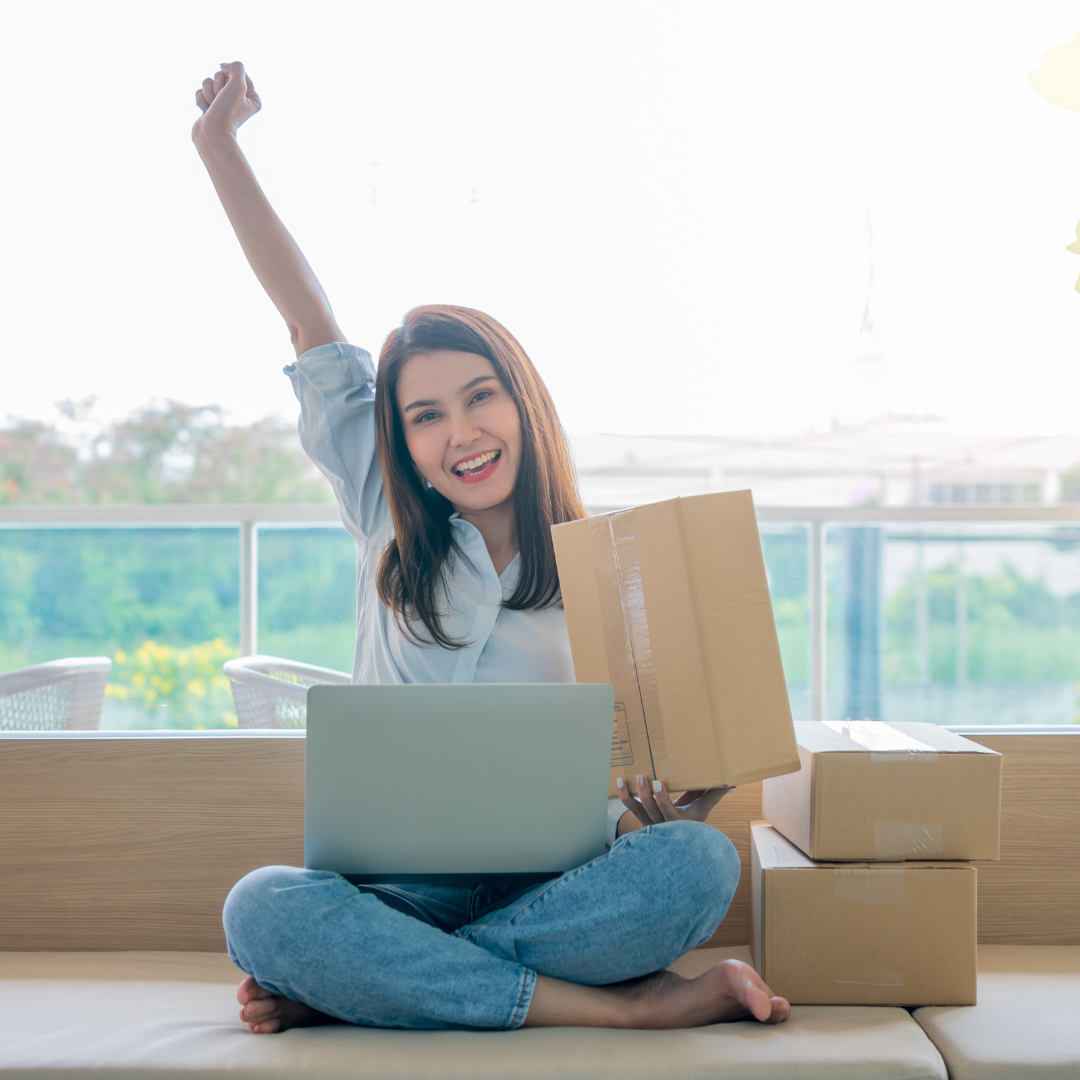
[226,101]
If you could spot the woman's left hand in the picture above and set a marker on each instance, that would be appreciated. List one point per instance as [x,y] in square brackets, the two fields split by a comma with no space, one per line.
[653,804]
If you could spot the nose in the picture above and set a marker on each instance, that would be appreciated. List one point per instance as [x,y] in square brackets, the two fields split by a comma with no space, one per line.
[463,432]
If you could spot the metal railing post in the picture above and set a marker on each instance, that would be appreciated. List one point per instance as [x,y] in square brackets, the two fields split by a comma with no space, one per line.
[817,618]
[961,618]
[249,588]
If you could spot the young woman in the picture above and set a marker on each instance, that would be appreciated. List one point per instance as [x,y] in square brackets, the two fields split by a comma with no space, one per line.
[450,465]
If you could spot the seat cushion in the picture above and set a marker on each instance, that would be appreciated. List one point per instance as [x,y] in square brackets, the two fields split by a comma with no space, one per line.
[1027,1021]
[145,1014]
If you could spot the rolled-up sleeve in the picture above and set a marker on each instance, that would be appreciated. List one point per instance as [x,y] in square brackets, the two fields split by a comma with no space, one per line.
[335,385]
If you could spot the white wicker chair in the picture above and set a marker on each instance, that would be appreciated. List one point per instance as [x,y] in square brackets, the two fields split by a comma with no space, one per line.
[272,693]
[56,696]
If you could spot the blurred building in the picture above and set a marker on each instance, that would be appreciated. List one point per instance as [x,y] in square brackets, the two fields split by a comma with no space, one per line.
[890,461]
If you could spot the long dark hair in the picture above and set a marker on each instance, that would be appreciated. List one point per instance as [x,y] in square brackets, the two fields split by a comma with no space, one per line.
[411,578]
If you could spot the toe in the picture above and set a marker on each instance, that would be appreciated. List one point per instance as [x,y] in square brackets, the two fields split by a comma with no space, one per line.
[250,990]
[747,987]
[781,1011]
[259,1009]
[756,1001]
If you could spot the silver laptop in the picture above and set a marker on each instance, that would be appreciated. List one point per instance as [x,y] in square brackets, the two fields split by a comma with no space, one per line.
[482,781]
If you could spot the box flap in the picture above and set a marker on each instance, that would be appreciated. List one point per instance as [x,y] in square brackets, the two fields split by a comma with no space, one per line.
[877,736]
[820,738]
[941,739]
[776,852]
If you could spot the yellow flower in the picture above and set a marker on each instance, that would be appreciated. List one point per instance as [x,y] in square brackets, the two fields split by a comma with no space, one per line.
[187,679]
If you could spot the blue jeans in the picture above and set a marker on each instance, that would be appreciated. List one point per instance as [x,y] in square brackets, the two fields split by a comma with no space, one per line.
[439,956]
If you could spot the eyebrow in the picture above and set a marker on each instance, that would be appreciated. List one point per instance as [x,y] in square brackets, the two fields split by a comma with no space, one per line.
[426,402]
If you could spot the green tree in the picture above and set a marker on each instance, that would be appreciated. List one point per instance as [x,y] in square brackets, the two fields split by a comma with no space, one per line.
[37,465]
[1018,630]
[165,452]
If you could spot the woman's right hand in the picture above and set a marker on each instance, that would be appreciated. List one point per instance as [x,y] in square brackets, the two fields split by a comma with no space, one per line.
[226,101]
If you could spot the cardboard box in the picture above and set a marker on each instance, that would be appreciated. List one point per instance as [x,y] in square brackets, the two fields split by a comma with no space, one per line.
[860,934]
[871,790]
[669,603]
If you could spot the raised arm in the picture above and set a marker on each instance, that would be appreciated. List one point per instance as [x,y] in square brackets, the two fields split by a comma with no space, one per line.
[227,100]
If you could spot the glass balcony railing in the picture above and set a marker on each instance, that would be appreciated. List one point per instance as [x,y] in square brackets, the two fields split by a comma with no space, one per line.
[163,603]
[952,615]
[965,623]
[786,548]
[170,593]
[307,594]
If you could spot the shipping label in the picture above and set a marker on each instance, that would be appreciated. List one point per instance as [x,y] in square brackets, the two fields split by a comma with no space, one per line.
[622,750]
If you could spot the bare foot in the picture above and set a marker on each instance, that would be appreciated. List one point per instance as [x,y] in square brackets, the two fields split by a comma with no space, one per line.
[730,991]
[266,1013]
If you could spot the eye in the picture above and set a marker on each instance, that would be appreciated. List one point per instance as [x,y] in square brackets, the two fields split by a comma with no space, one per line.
[425,416]
[479,396]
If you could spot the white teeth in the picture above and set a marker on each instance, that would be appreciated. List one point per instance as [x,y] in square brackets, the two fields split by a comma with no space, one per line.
[475,463]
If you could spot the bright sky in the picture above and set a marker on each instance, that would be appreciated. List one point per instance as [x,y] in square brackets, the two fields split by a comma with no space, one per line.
[664,201]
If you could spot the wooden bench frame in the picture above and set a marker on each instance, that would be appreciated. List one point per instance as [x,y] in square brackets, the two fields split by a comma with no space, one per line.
[113,841]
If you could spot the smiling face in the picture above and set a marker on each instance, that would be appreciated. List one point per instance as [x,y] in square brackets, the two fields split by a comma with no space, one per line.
[461,427]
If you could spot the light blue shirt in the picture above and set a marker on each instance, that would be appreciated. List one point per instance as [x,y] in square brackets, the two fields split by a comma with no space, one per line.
[336,388]
[335,385]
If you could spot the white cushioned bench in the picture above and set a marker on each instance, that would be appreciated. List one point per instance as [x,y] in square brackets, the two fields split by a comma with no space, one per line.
[151,1015]
[160,814]
[1027,1022]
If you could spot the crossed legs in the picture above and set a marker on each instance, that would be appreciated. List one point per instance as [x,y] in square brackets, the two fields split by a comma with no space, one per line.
[587,949]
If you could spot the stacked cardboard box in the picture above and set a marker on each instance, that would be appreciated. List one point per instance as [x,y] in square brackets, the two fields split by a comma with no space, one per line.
[862,883]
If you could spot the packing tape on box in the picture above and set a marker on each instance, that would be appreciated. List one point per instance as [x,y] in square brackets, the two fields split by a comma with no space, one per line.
[907,839]
[870,977]
[632,592]
[891,757]
[861,886]
[878,758]
[887,745]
